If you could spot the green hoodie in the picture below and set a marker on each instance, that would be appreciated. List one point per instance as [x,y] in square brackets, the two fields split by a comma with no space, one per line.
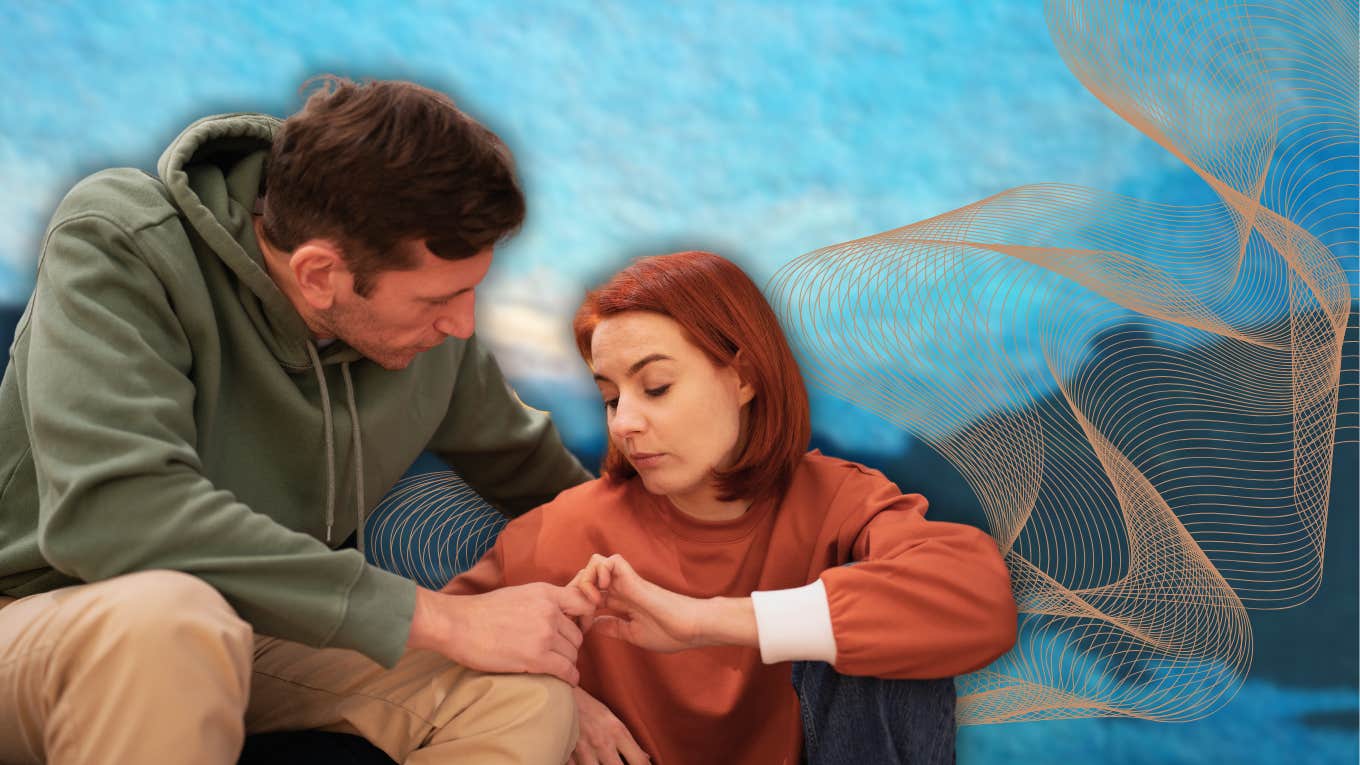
[164,407]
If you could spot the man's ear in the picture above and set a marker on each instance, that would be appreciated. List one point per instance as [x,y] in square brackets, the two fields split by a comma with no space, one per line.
[320,272]
[747,389]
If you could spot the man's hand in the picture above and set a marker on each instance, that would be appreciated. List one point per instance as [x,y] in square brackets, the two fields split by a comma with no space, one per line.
[604,739]
[514,629]
[655,618]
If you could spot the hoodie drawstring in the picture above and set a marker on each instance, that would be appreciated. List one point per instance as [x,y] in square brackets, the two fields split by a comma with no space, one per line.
[328,429]
[358,454]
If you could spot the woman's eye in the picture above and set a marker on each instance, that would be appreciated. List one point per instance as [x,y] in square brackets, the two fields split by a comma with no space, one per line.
[611,403]
[654,392]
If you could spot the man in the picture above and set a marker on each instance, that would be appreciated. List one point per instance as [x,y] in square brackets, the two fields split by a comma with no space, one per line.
[218,373]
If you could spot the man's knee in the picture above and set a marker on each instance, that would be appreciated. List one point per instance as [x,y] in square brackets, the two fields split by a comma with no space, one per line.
[164,645]
[558,705]
[161,615]
[530,717]
[550,711]
[548,700]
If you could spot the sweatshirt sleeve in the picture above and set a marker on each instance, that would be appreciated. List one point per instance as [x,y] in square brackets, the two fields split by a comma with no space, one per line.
[109,406]
[794,624]
[509,452]
[922,599]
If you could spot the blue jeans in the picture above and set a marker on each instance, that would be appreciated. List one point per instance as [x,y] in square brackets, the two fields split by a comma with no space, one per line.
[872,721]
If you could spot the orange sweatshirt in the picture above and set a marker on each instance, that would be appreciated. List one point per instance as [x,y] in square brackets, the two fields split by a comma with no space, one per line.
[925,599]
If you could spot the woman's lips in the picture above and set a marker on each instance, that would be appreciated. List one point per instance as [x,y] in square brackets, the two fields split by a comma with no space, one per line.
[643,460]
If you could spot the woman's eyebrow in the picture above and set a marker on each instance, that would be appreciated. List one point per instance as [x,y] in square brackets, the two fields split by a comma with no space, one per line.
[639,364]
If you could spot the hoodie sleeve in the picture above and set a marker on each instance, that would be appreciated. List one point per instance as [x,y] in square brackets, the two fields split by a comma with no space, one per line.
[922,599]
[510,453]
[109,406]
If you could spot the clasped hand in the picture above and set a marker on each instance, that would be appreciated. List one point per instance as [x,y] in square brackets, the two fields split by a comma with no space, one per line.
[633,609]
[538,628]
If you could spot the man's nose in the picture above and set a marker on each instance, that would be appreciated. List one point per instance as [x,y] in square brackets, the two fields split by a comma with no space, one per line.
[458,321]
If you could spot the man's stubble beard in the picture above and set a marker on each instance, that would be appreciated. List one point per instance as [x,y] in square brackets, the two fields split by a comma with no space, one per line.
[351,325]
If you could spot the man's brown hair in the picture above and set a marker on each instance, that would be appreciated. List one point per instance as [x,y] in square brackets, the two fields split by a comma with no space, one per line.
[369,166]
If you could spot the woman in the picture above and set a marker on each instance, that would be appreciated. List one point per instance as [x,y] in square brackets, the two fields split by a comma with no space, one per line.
[713,528]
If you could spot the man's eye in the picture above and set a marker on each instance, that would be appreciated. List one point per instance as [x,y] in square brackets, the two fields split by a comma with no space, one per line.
[611,403]
[654,392]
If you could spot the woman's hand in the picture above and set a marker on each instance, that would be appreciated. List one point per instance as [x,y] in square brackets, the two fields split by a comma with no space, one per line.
[588,582]
[655,618]
[604,738]
[636,610]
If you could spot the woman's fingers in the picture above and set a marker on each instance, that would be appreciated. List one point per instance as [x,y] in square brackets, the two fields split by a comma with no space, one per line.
[602,569]
[627,581]
[602,574]
[587,588]
[620,571]
[594,578]
[604,738]
[584,581]
[610,626]
[631,587]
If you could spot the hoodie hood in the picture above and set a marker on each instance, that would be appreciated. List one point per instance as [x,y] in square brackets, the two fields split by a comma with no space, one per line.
[214,172]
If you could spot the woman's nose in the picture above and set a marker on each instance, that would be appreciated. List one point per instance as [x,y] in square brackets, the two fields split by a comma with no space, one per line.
[627,420]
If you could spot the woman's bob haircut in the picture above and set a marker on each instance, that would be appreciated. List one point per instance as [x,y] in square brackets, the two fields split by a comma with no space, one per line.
[723,313]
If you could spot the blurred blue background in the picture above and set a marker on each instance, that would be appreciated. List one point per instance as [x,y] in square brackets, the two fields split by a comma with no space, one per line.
[760,130]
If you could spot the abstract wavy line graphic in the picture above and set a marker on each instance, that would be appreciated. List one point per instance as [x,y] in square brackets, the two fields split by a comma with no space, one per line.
[1143,396]
[430,527]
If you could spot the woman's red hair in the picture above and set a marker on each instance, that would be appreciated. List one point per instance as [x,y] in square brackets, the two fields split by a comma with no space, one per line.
[722,311]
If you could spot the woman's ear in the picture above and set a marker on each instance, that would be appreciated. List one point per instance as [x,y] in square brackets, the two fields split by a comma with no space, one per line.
[746,389]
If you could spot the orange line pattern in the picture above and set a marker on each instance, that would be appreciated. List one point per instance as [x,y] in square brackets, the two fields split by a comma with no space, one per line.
[1143,396]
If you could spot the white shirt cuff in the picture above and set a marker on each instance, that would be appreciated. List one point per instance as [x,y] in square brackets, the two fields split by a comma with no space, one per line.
[794,624]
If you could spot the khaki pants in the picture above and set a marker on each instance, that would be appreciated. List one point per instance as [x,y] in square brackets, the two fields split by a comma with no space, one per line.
[156,667]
